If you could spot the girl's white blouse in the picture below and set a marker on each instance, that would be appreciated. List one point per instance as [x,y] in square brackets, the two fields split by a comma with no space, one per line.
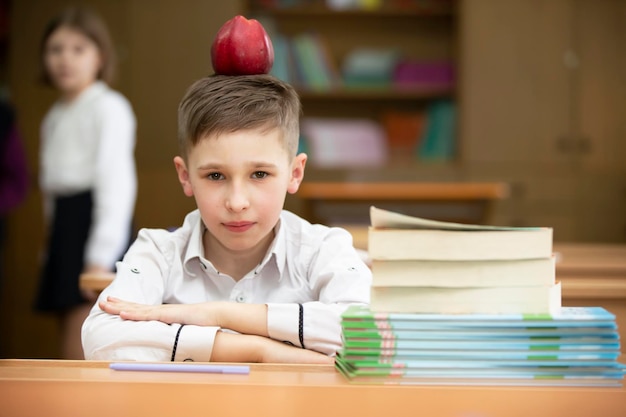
[88,144]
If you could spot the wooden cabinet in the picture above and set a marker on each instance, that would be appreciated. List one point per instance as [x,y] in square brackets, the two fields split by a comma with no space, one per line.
[515,86]
[543,99]
[544,82]
[600,77]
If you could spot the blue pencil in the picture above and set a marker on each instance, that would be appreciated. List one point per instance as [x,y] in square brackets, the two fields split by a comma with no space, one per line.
[179,367]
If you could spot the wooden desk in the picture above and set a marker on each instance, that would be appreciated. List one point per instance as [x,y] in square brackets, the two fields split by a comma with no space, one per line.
[381,193]
[581,264]
[84,388]
[95,281]
[594,275]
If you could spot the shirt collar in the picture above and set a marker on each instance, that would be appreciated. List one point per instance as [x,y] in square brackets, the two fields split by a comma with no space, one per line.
[279,246]
[195,247]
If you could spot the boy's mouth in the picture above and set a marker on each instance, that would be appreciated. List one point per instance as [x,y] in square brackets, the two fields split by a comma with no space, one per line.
[238,227]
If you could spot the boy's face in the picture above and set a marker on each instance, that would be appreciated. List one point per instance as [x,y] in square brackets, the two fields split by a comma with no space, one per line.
[239,181]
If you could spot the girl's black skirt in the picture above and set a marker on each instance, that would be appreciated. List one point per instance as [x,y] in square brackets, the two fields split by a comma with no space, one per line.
[68,233]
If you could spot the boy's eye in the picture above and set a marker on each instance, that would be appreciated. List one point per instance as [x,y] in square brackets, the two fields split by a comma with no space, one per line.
[215,176]
[260,175]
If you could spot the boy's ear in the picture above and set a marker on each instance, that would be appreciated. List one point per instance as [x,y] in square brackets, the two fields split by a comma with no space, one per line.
[297,173]
[183,176]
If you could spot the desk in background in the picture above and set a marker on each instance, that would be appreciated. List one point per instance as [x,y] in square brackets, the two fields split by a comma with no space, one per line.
[481,197]
[594,275]
[86,388]
[95,281]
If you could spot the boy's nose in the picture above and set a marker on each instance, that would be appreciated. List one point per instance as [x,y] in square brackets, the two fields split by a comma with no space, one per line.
[237,199]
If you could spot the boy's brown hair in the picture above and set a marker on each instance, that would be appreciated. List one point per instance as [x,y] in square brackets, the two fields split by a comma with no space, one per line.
[89,23]
[220,104]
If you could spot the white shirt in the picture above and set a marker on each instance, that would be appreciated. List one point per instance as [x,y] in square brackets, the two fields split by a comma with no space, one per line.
[88,144]
[312,265]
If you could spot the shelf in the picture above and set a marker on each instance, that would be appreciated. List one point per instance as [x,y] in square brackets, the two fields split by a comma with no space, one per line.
[317,11]
[401,191]
[394,93]
[449,171]
[481,196]
[319,8]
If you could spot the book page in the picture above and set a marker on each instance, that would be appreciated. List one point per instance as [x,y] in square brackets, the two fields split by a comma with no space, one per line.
[385,219]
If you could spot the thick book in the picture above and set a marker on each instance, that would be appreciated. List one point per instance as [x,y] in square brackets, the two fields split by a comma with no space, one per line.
[395,236]
[467,300]
[502,273]
[344,142]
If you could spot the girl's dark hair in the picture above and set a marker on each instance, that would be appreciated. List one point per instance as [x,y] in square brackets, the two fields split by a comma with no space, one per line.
[89,23]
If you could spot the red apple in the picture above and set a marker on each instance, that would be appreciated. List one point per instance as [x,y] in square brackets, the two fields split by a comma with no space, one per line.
[242,47]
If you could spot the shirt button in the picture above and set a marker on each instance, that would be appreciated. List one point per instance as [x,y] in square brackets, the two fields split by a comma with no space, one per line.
[240,298]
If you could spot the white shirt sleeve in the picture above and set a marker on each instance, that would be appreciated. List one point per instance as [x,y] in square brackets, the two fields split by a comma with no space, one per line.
[340,279]
[115,184]
[140,278]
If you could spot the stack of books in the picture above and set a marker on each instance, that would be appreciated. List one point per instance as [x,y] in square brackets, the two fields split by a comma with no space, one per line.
[344,142]
[473,305]
[427,266]
[577,346]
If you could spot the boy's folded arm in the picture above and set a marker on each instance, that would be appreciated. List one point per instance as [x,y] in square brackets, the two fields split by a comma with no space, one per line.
[320,329]
[108,337]
[229,347]
[250,319]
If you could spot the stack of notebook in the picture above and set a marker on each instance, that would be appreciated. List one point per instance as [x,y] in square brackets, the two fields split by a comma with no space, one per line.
[577,346]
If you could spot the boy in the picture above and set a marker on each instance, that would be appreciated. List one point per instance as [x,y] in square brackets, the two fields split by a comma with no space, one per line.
[242,280]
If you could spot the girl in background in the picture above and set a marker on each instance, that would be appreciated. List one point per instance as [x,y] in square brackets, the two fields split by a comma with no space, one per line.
[87,168]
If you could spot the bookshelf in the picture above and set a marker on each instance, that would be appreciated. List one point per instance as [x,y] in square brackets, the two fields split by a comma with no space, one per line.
[422,32]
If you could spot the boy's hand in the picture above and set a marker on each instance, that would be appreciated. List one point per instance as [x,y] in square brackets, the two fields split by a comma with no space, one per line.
[204,314]
[242,318]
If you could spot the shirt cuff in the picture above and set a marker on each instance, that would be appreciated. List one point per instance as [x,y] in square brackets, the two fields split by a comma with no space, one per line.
[282,322]
[195,343]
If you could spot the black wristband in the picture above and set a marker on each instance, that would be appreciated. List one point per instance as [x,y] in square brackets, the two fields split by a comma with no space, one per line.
[176,341]
[301,326]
